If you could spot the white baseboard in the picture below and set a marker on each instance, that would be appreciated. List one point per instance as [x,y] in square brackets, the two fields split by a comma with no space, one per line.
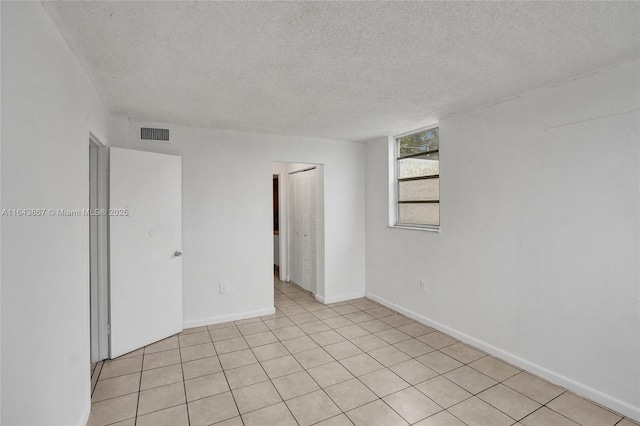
[227,318]
[341,297]
[615,404]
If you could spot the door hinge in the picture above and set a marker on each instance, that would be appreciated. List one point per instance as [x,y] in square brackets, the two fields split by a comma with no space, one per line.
[108,328]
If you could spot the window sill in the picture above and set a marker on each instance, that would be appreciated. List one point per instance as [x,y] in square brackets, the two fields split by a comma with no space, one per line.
[416,228]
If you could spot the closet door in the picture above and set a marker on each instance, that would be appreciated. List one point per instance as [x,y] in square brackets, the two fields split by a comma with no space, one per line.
[309,230]
[295,249]
[302,229]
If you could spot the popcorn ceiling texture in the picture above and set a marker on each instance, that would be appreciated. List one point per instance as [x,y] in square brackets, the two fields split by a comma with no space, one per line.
[349,71]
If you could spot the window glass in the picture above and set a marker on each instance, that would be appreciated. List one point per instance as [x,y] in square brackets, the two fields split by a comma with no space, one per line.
[418,179]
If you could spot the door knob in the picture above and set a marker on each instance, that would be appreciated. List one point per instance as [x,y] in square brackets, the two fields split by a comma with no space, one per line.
[177,253]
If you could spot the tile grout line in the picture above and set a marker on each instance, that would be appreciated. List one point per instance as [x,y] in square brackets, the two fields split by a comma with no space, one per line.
[388,367]
[225,374]
[271,380]
[283,401]
[463,365]
[338,361]
[163,385]
[411,358]
[360,301]
[467,364]
[560,414]
[498,382]
[378,398]
[101,364]
[184,382]
[304,369]
[135,421]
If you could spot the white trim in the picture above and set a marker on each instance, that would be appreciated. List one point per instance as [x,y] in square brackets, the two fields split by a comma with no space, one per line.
[421,129]
[320,234]
[102,202]
[342,297]
[96,140]
[303,170]
[609,401]
[84,418]
[393,193]
[416,228]
[393,182]
[227,318]
[283,256]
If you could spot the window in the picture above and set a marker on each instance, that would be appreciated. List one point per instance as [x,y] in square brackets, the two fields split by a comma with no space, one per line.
[418,179]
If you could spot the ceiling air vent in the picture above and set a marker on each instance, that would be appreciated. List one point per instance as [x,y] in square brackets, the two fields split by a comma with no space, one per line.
[147,133]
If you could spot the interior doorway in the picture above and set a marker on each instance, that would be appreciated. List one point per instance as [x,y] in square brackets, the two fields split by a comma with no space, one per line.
[299,243]
[98,251]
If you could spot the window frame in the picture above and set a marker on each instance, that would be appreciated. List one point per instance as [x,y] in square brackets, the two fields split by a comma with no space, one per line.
[394,187]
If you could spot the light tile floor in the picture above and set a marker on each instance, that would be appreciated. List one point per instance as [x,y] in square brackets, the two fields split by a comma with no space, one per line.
[349,363]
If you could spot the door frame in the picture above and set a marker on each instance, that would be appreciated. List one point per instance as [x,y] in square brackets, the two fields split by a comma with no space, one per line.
[99,252]
[283,271]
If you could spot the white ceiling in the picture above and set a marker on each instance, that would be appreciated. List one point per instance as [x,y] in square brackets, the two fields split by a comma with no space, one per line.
[338,70]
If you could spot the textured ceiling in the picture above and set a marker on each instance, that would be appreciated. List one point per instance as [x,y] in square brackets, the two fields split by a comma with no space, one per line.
[342,70]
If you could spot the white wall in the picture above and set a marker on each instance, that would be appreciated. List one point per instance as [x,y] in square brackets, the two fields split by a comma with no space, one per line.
[227,222]
[537,258]
[0,223]
[48,109]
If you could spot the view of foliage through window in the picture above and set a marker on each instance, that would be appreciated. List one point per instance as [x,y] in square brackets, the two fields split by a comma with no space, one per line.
[419,142]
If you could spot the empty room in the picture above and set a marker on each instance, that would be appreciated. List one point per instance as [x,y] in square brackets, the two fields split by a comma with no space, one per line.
[320,213]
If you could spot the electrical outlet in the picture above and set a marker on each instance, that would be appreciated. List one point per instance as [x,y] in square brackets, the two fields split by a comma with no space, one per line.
[423,286]
[224,287]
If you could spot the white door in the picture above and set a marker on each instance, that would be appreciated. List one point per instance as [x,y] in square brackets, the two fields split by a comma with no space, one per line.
[302,218]
[309,230]
[295,230]
[145,245]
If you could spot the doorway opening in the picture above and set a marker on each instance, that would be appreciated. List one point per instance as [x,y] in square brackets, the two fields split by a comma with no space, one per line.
[98,251]
[299,242]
